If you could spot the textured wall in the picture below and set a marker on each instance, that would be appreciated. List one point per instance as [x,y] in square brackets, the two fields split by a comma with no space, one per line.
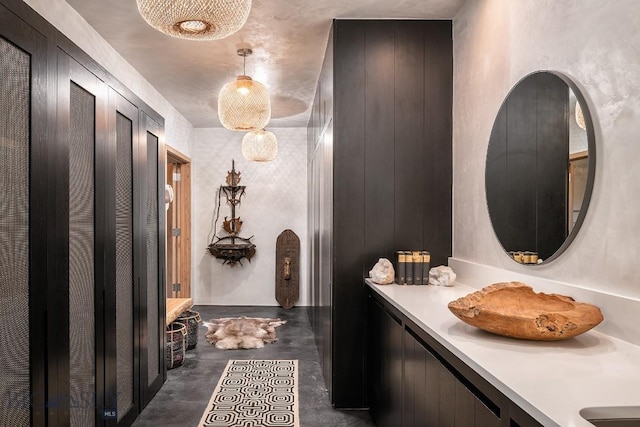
[177,129]
[275,199]
[597,44]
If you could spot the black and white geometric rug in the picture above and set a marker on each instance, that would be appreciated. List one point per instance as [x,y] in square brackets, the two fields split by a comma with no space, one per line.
[254,393]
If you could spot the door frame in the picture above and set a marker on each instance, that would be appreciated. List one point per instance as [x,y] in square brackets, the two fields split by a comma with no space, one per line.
[183,222]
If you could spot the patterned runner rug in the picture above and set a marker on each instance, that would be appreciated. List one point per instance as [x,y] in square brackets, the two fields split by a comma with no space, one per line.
[255,393]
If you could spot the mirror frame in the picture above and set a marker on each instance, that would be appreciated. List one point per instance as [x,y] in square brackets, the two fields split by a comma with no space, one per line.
[591,146]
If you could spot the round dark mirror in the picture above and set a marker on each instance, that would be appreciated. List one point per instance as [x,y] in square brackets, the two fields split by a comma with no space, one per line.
[540,167]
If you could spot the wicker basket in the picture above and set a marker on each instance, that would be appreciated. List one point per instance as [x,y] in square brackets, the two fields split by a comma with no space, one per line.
[190,319]
[176,344]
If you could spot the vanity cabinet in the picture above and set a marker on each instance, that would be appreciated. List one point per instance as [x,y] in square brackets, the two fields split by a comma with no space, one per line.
[415,382]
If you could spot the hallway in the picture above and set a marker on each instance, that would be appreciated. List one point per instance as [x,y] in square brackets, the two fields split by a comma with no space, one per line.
[183,398]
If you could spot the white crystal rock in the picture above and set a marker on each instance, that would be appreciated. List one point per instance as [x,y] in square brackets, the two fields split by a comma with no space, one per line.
[382,273]
[442,276]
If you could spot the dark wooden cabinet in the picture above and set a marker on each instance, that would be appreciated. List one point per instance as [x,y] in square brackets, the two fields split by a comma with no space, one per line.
[414,382]
[82,161]
[385,368]
[379,161]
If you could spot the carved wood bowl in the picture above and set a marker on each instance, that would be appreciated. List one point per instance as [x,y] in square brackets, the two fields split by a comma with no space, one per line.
[514,310]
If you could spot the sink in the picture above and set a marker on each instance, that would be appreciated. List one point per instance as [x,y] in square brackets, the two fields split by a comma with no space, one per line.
[612,416]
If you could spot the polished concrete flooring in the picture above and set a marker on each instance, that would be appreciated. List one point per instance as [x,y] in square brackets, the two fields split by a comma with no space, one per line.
[183,398]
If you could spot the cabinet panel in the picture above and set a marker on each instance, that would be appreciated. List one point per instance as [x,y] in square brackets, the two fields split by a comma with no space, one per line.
[79,227]
[429,390]
[81,106]
[381,79]
[465,406]
[150,162]
[385,367]
[15,384]
[23,222]
[446,396]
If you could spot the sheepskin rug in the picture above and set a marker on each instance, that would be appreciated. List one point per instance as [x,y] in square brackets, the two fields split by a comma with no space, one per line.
[231,333]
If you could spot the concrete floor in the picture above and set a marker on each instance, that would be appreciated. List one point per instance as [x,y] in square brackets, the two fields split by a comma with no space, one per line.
[183,398]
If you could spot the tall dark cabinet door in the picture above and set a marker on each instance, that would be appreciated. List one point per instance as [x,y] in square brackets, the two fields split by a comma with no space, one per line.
[22,222]
[122,377]
[80,142]
[150,165]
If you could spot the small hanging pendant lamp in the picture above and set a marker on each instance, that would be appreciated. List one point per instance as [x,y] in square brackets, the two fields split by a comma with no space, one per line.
[244,104]
[260,146]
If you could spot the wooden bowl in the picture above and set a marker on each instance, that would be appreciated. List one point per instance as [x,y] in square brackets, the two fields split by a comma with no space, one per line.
[513,309]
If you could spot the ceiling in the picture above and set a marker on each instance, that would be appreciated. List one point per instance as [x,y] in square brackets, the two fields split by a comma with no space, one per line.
[288,38]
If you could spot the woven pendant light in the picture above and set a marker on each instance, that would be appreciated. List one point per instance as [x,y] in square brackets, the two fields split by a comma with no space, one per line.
[196,19]
[260,146]
[580,117]
[243,104]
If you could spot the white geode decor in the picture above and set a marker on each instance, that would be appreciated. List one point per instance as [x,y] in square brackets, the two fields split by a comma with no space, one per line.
[442,276]
[382,273]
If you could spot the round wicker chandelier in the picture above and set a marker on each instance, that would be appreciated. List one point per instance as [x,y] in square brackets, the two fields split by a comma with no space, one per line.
[244,104]
[260,146]
[195,19]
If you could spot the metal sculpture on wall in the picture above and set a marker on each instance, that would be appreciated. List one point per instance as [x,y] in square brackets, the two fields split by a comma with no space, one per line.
[231,248]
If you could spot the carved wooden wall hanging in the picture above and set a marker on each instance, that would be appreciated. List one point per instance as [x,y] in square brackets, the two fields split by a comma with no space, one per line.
[231,248]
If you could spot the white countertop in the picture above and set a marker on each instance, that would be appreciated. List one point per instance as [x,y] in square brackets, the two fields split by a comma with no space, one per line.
[550,380]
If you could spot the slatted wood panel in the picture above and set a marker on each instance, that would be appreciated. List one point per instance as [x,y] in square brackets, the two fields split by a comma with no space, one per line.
[392,167]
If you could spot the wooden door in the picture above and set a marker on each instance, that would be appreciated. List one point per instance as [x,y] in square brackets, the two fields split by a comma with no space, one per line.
[179,225]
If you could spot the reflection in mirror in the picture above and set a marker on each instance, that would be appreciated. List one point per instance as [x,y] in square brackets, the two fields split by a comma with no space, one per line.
[540,167]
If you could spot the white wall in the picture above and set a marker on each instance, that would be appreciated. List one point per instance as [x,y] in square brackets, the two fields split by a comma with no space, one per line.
[177,129]
[597,44]
[275,199]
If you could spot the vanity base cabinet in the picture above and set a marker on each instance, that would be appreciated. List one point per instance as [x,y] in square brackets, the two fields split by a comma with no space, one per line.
[415,382]
[385,368]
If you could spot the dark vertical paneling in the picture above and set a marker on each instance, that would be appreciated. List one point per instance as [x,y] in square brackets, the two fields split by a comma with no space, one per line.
[149,161]
[25,38]
[447,397]
[421,399]
[410,401]
[437,123]
[409,142]
[483,416]
[521,167]
[348,215]
[379,141]
[552,132]
[374,361]
[390,177]
[432,394]
[121,304]
[56,63]
[527,166]
[465,402]
[325,157]
[390,413]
